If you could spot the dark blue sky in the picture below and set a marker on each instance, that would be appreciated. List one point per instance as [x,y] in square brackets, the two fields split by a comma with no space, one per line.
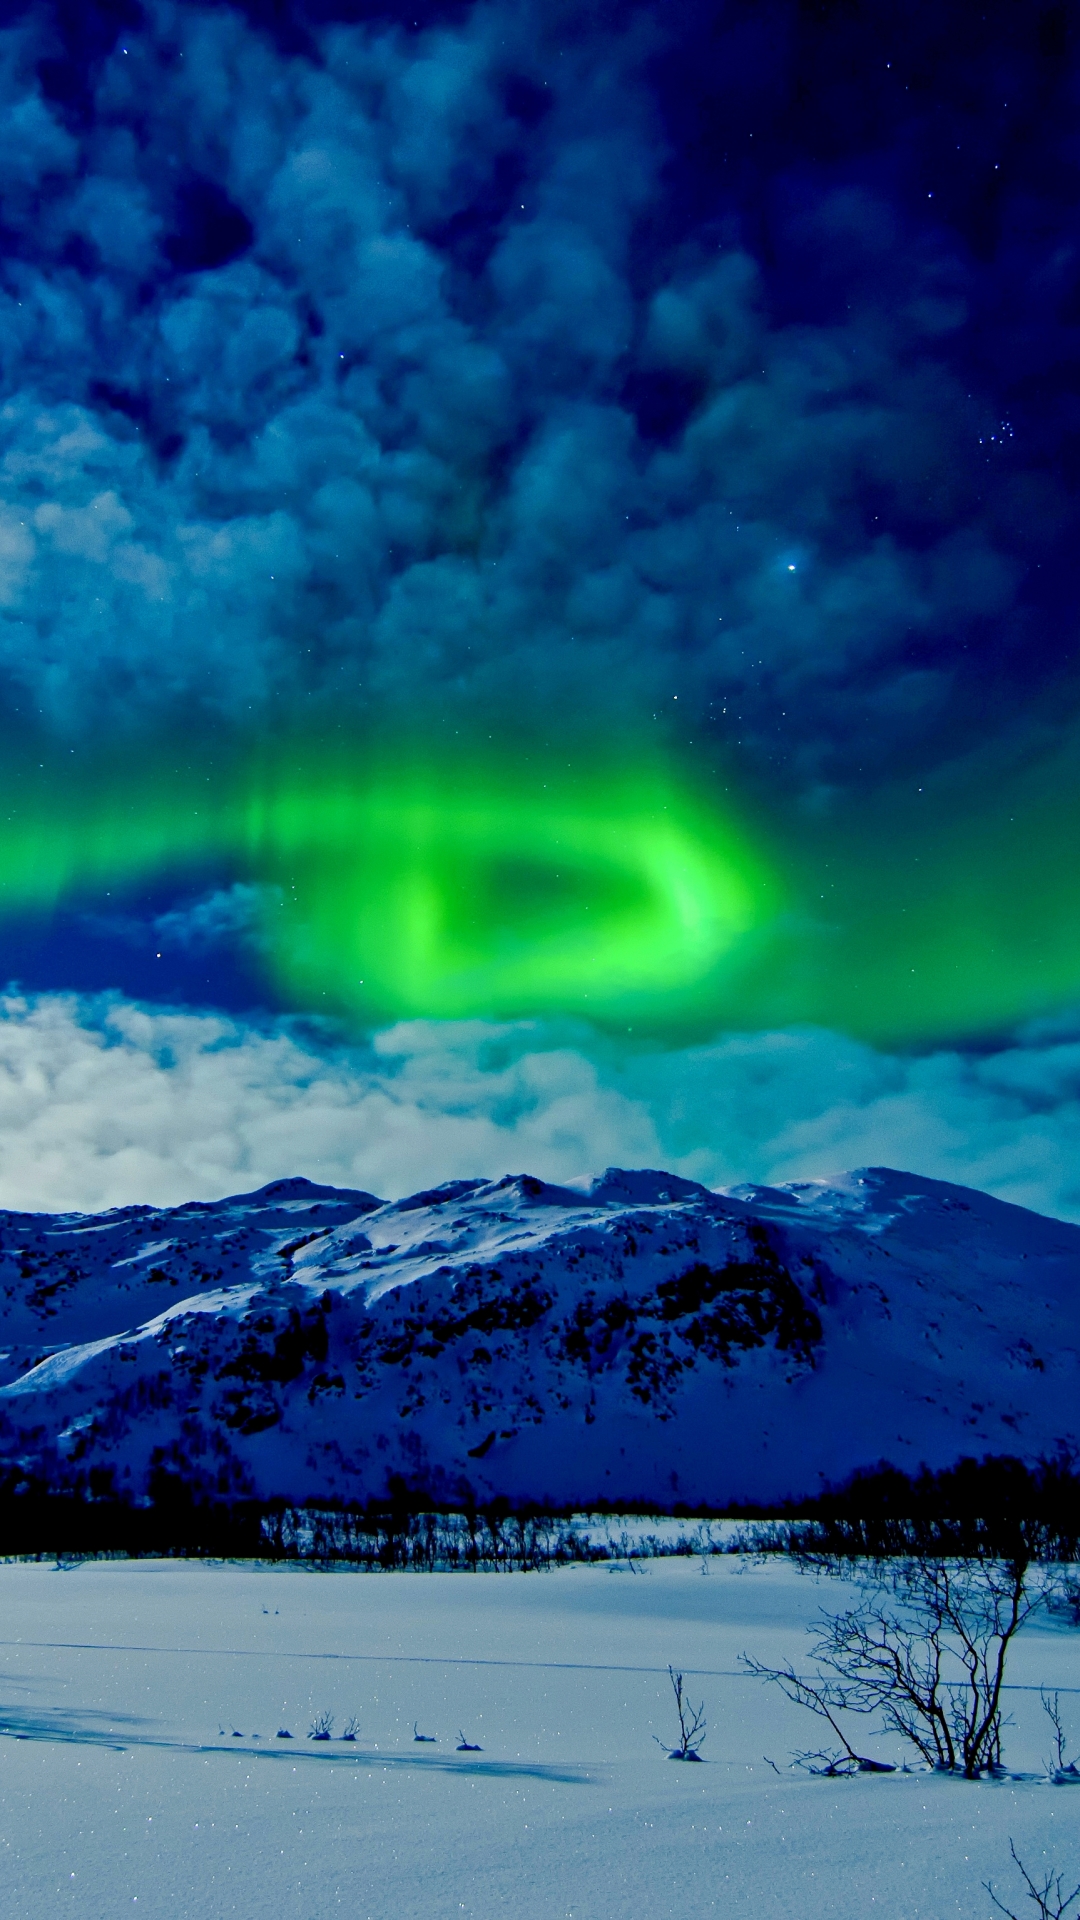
[519,368]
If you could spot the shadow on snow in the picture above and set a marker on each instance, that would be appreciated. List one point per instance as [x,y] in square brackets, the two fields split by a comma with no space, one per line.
[123,1731]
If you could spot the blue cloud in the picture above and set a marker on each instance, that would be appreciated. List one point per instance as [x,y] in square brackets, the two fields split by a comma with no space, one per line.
[502,363]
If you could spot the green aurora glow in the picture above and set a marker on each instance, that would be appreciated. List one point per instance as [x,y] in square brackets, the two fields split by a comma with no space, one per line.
[467,885]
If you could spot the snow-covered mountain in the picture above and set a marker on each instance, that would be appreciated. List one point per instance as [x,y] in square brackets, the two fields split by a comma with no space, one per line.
[642,1339]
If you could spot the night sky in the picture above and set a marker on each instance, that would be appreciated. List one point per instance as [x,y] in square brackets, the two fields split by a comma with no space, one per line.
[538,593]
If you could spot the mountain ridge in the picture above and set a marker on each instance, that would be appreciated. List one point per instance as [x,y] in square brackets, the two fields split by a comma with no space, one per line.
[635,1337]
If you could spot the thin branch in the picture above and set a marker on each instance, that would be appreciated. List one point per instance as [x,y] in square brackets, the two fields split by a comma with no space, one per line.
[1041,1896]
[691,1721]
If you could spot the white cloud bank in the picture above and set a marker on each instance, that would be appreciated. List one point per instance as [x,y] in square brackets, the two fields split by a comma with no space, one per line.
[105,1102]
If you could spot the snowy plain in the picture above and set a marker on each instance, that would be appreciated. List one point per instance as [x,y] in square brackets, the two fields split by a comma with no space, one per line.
[124,1789]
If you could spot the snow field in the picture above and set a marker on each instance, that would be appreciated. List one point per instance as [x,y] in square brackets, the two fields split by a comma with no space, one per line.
[123,1789]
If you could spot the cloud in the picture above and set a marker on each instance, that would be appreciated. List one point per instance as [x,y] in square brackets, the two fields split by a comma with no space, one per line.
[108,1102]
[228,914]
[395,372]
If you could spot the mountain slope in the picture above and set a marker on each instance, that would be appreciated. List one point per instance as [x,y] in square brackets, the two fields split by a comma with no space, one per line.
[644,1339]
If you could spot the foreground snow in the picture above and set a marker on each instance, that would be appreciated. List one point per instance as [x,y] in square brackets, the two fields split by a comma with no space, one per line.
[124,1790]
[644,1340]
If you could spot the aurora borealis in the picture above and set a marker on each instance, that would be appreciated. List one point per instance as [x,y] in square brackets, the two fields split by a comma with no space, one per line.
[558,520]
[426,886]
[450,885]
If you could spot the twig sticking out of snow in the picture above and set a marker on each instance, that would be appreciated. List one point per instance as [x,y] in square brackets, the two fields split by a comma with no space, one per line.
[428,1738]
[1050,1903]
[839,1766]
[464,1746]
[691,1723]
[1061,1771]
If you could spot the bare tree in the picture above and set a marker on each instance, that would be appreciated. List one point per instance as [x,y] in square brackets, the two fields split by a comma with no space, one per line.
[691,1723]
[1050,1903]
[926,1651]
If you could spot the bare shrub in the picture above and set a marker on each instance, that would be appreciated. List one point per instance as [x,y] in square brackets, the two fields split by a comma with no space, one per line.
[691,1723]
[926,1651]
[321,1727]
[1065,1600]
[1059,1769]
[351,1728]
